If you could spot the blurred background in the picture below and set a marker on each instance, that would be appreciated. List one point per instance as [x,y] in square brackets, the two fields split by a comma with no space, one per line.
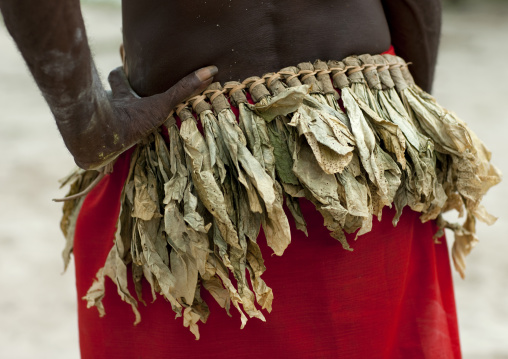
[38,303]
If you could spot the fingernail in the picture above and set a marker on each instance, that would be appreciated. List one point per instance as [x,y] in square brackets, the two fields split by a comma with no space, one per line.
[206,73]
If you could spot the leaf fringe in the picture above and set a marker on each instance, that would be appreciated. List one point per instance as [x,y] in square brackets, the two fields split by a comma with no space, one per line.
[350,136]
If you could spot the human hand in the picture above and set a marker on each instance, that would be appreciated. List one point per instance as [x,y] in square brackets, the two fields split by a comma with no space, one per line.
[127,118]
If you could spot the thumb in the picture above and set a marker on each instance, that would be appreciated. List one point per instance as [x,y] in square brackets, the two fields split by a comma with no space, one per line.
[120,84]
[187,87]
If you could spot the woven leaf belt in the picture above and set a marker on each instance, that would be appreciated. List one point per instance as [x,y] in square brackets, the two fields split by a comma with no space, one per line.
[351,136]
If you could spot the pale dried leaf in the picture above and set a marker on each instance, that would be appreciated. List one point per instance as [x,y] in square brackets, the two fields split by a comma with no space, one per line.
[207,189]
[285,102]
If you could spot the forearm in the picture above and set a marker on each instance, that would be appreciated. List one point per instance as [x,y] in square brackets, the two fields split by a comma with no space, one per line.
[52,39]
[415,28]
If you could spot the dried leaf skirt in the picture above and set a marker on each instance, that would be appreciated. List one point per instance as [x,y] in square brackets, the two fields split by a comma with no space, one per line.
[194,213]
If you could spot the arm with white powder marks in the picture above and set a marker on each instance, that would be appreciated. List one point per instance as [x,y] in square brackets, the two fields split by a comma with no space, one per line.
[95,127]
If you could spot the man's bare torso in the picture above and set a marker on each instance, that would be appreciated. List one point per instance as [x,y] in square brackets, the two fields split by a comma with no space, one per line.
[165,40]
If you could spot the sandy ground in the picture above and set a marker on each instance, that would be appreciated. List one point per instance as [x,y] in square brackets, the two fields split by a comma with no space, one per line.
[38,304]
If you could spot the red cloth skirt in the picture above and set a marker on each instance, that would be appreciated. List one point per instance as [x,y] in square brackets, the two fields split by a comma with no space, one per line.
[392,297]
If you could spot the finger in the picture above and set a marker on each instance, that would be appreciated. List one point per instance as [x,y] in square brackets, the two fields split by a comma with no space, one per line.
[120,84]
[190,85]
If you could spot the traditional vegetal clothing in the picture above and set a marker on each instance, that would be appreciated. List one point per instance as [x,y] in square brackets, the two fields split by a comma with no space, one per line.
[194,213]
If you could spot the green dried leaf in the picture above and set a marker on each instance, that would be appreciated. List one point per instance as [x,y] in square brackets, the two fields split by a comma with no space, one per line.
[279,137]
[382,170]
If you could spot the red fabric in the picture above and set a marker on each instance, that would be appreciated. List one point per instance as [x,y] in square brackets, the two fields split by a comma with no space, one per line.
[392,297]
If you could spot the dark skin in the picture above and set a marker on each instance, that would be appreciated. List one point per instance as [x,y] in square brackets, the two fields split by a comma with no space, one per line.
[165,41]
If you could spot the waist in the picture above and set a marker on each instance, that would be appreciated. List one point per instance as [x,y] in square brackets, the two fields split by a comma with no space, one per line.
[242,40]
